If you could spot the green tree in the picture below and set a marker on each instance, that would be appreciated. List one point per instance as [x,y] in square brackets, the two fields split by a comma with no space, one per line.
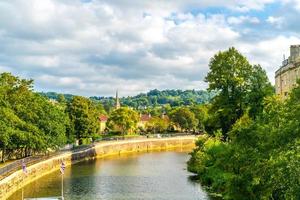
[28,122]
[239,86]
[61,99]
[261,159]
[123,119]
[99,107]
[201,114]
[184,118]
[50,118]
[158,124]
[84,117]
[260,87]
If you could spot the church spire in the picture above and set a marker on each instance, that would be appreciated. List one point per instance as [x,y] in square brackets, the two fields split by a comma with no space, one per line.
[117,101]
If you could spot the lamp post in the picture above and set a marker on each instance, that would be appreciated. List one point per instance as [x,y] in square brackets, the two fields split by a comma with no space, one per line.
[62,170]
[62,186]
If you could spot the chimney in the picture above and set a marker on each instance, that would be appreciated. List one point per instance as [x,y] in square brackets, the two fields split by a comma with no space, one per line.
[294,52]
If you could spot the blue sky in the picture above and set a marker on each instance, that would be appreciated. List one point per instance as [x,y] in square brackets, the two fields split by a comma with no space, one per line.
[93,47]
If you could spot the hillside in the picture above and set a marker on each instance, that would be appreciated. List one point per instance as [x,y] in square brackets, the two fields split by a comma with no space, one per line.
[152,98]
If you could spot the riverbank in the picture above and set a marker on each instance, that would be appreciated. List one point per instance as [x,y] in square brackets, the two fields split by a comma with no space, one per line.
[18,179]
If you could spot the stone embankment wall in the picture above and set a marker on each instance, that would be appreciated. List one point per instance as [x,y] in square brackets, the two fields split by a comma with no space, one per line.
[18,179]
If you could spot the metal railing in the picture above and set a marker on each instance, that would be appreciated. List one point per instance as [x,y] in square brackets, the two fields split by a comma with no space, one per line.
[17,165]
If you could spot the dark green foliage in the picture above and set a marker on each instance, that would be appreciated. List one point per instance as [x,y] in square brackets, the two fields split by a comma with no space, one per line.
[241,88]
[151,99]
[171,97]
[28,122]
[260,87]
[84,117]
[123,120]
[155,102]
[184,118]
[201,114]
[57,96]
[158,125]
[260,158]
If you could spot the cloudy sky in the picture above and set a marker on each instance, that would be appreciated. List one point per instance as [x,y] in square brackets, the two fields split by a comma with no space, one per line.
[93,47]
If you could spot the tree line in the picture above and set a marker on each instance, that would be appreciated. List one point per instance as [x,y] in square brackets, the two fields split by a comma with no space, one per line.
[31,123]
[184,119]
[28,122]
[145,102]
[251,149]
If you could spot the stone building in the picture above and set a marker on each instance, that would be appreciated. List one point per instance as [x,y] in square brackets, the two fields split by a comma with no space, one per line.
[144,119]
[288,73]
[103,119]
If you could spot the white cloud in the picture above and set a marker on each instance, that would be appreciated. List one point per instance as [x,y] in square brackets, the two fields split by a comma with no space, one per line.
[269,53]
[294,4]
[94,48]
[247,5]
[243,19]
[276,21]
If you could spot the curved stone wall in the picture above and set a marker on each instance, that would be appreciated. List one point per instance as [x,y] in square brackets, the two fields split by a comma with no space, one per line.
[18,179]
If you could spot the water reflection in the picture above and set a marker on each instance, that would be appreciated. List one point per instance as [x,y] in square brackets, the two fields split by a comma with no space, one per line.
[155,175]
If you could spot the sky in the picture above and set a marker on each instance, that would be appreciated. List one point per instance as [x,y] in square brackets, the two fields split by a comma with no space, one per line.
[93,47]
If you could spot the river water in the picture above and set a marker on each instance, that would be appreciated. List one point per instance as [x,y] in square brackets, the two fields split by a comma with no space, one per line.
[141,176]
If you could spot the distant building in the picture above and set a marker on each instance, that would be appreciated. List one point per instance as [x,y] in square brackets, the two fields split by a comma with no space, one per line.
[103,119]
[118,105]
[53,101]
[142,123]
[144,119]
[288,73]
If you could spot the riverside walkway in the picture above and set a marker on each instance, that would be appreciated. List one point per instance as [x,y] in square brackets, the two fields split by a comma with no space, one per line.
[13,166]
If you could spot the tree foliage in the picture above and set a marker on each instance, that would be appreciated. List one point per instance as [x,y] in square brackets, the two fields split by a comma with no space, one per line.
[28,122]
[184,118]
[84,117]
[123,119]
[153,101]
[261,161]
[158,124]
[240,88]
[261,157]
[201,114]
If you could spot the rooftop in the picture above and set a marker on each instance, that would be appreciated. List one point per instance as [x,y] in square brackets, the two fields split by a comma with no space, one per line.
[145,117]
[289,62]
[103,118]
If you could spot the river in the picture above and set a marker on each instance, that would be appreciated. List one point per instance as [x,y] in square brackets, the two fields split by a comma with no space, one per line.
[141,176]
